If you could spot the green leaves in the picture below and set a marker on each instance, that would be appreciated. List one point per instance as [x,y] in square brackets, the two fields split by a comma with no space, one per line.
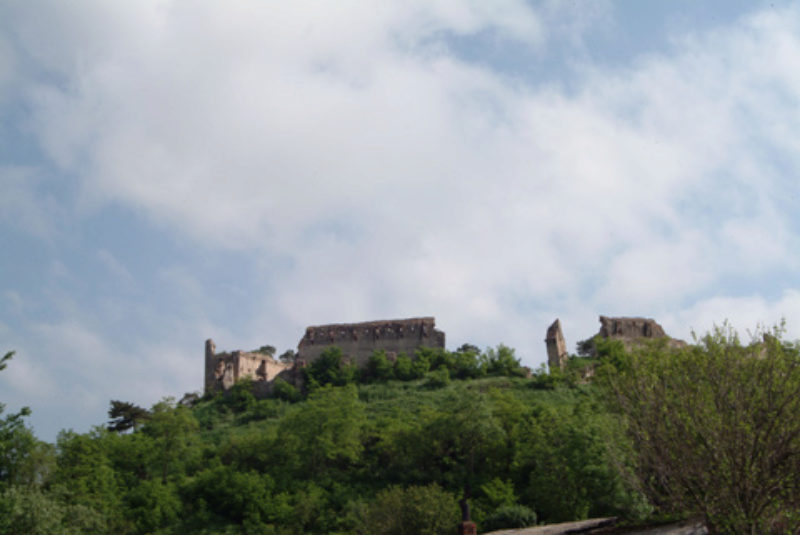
[715,427]
[124,415]
[424,510]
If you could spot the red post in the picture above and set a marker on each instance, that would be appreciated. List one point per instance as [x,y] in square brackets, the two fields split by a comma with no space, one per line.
[467,528]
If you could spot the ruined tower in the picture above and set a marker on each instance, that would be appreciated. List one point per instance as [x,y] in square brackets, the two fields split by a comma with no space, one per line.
[556,347]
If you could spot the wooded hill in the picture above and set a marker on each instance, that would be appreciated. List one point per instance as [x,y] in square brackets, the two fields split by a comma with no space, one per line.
[701,430]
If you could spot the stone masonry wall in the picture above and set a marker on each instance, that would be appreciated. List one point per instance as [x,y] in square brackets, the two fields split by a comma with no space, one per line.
[359,340]
[633,331]
[630,328]
[224,369]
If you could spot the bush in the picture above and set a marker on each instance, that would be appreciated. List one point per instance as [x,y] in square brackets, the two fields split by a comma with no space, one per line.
[404,368]
[425,510]
[502,361]
[240,397]
[378,368]
[438,378]
[283,390]
[329,369]
[508,517]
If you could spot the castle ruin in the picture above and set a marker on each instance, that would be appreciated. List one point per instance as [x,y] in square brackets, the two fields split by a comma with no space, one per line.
[633,331]
[557,354]
[358,341]
[224,369]
[630,328]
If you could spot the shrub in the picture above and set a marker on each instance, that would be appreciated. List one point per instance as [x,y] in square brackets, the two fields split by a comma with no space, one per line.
[283,390]
[329,369]
[508,517]
[438,378]
[378,368]
[425,510]
[404,369]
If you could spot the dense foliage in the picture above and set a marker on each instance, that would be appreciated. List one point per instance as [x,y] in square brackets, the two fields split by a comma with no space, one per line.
[392,448]
[715,428]
[388,449]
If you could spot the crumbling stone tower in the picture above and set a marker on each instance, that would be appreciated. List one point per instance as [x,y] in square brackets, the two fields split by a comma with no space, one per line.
[556,347]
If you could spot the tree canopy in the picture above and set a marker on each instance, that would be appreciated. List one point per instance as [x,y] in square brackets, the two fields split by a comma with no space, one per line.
[715,428]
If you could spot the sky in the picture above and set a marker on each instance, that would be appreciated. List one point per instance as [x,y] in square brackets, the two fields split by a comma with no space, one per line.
[175,170]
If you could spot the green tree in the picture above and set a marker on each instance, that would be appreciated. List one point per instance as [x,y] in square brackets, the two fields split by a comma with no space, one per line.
[329,369]
[285,391]
[15,440]
[466,362]
[24,460]
[325,432]
[221,495]
[715,428]
[404,368]
[266,350]
[423,510]
[84,472]
[379,368]
[174,433]
[502,361]
[124,415]
[32,511]
[288,356]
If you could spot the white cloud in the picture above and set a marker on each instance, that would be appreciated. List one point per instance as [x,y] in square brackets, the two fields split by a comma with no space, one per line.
[373,171]
[22,207]
[278,125]
[745,314]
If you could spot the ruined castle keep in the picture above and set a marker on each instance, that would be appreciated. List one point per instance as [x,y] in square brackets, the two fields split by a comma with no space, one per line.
[359,340]
[224,369]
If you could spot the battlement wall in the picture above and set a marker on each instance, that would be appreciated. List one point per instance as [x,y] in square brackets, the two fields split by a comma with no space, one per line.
[358,341]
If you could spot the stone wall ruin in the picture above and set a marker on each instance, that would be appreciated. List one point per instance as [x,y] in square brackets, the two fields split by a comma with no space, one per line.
[630,328]
[224,369]
[557,354]
[358,341]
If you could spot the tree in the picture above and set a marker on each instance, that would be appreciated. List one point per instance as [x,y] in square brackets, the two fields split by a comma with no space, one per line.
[330,368]
[123,416]
[85,474]
[31,511]
[325,432]
[427,510]
[378,368]
[16,441]
[173,429]
[715,428]
[288,356]
[266,350]
[502,361]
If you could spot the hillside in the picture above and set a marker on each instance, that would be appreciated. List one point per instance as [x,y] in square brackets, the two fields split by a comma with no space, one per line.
[362,453]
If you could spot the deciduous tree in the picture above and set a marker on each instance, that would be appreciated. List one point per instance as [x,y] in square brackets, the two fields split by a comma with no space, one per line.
[715,427]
